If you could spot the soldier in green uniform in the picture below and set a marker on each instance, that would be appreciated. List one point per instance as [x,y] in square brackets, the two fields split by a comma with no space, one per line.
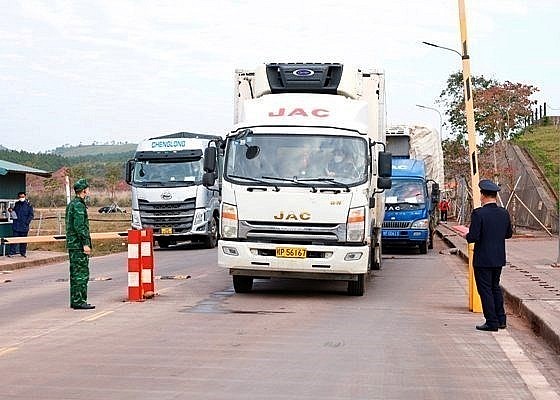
[78,242]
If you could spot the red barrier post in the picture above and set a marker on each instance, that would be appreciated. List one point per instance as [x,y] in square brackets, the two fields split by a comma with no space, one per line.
[135,290]
[147,262]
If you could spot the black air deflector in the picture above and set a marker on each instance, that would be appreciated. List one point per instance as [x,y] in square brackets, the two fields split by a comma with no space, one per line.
[304,78]
[187,135]
[163,156]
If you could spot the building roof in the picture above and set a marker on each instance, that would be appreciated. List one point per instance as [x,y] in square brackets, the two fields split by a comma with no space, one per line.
[6,166]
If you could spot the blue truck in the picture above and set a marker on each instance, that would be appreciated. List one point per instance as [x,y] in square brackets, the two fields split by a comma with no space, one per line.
[410,204]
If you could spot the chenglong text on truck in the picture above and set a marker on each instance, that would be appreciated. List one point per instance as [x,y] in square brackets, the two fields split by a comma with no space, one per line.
[410,204]
[167,191]
[303,175]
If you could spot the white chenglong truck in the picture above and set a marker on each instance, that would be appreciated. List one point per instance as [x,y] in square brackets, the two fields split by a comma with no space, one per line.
[167,191]
[304,171]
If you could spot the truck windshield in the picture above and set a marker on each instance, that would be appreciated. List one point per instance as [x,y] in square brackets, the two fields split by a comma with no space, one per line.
[407,193]
[290,160]
[168,173]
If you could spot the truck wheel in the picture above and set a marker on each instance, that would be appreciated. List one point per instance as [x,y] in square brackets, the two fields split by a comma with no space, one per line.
[431,239]
[357,288]
[211,240]
[375,255]
[242,284]
[424,247]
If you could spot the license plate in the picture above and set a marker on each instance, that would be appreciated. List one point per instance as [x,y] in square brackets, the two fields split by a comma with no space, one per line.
[390,233]
[167,231]
[291,252]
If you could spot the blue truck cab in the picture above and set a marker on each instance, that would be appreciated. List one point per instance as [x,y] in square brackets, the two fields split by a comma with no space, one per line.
[409,208]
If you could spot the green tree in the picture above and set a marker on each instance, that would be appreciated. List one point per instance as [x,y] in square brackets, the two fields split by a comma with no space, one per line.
[502,109]
[113,175]
[51,187]
[452,99]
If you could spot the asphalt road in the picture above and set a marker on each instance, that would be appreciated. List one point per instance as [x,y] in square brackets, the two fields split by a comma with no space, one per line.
[409,337]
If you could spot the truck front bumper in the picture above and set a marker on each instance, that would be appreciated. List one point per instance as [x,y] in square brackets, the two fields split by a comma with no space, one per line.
[398,236]
[323,260]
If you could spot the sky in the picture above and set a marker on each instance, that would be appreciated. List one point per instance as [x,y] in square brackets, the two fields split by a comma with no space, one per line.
[76,72]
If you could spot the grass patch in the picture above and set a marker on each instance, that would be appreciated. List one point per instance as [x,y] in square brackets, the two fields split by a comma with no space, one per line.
[543,143]
[50,221]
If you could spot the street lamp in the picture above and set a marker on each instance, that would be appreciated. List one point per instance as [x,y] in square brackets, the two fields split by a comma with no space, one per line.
[442,47]
[474,300]
[440,118]
[469,108]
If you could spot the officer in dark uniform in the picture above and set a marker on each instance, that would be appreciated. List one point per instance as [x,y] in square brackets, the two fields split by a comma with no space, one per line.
[490,226]
[78,242]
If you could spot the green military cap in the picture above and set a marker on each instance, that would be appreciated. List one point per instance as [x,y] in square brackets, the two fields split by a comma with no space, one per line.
[80,185]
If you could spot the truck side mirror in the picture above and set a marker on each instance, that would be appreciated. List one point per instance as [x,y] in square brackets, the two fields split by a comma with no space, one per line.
[384,182]
[435,192]
[384,162]
[128,171]
[210,160]
[209,179]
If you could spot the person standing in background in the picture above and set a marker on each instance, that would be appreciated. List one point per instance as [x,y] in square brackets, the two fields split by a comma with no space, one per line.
[443,208]
[490,227]
[20,226]
[78,242]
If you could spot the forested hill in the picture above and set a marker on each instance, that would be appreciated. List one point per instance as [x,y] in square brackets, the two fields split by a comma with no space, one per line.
[105,149]
[71,156]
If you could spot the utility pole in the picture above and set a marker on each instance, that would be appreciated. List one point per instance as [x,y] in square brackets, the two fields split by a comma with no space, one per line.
[469,108]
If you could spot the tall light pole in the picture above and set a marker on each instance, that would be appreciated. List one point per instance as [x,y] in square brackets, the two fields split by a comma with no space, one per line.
[474,300]
[469,108]
[440,118]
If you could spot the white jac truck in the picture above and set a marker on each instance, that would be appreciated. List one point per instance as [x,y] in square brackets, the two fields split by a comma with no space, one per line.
[304,169]
[167,191]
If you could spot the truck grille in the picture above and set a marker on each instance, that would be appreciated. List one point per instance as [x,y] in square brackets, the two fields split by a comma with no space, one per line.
[177,215]
[396,224]
[282,232]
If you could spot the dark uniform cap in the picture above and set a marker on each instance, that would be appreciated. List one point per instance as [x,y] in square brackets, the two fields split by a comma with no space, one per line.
[488,185]
[80,185]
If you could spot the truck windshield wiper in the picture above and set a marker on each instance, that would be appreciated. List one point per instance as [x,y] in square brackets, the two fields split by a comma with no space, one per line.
[276,188]
[328,180]
[292,180]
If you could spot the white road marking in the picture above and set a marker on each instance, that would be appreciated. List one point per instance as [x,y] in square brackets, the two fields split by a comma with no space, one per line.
[535,381]
[97,316]
[6,350]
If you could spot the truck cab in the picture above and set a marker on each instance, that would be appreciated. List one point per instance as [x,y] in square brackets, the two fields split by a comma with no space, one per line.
[167,191]
[304,169]
[408,207]
[410,204]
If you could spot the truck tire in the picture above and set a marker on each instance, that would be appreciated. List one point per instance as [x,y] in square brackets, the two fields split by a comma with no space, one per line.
[242,284]
[375,257]
[357,288]
[431,239]
[423,247]
[211,240]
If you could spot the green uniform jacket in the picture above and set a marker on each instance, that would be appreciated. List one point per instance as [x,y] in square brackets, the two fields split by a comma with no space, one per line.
[77,225]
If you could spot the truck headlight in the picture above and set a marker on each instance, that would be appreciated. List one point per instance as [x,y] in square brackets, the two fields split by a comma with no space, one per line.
[356,225]
[199,217]
[229,221]
[136,222]
[421,224]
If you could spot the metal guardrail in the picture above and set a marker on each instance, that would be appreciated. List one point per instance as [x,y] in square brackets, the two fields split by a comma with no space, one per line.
[60,238]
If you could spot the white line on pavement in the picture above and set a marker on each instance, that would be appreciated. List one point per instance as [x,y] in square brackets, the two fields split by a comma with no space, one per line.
[535,381]
[97,316]
[6,350]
